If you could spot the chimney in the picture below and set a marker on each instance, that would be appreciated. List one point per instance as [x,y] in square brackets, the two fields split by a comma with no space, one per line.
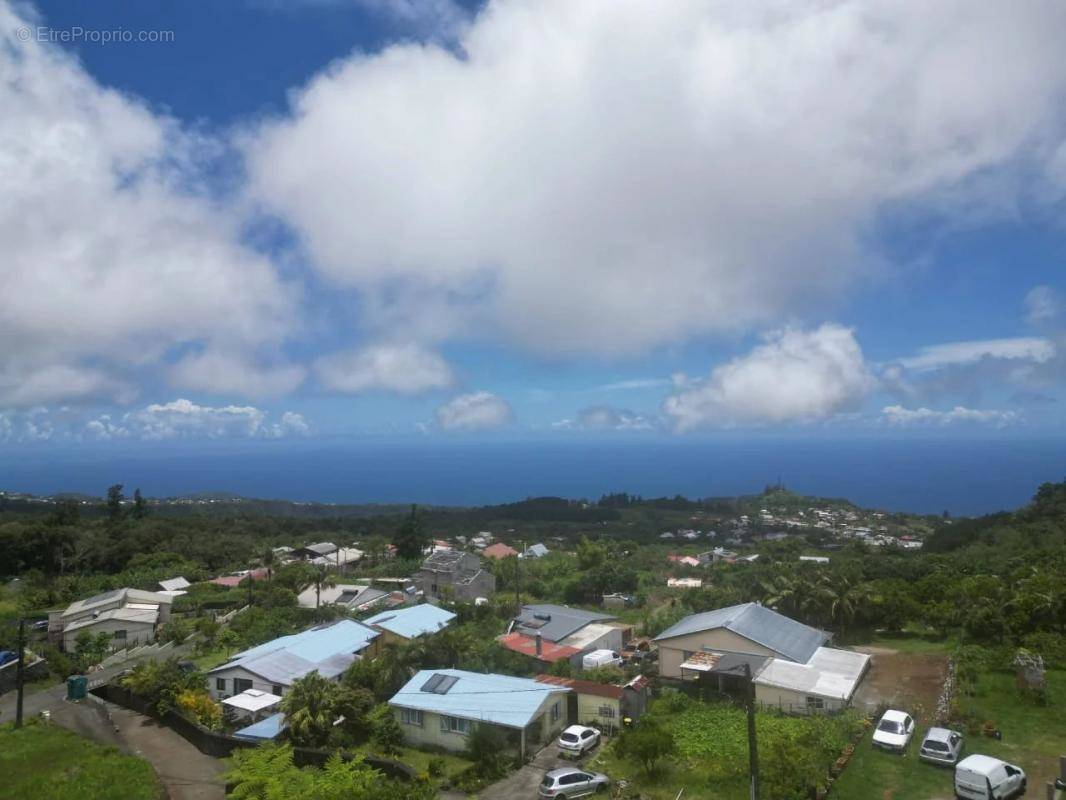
[537,639]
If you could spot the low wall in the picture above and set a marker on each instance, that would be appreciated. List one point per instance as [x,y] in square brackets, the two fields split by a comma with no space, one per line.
[222,745]
[30,672]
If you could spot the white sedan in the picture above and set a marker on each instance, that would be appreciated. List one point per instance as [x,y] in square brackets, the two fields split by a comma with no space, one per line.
[894,731]
[576,739]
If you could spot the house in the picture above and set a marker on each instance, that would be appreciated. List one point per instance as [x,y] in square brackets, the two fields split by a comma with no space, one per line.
[328,649]
[535,551]
[600,704]
[688,561]
[354,597]
[404,624]
[549,633]
[751,631]
[617,600]
[129,616]
[235,579]
[340,558]
[250,705]
[826,682]
[175,587]
[814,559]
[684,583]
[454,575]
[316,550]
[499,551]
[440,708]
[789,663]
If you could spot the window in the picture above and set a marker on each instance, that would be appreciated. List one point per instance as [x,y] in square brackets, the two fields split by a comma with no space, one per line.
[607,712]
[815,703]
[454,725]
[277,689]
[241,684]
[120,635]
[555,711]
[220,684]
[411,716]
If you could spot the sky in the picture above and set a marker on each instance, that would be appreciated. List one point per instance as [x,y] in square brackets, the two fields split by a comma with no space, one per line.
[295,220]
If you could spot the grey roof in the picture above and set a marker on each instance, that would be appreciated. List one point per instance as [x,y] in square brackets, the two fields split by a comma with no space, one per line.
[538,550]
[554,622]
[322,548]
[115,597]
[786,637]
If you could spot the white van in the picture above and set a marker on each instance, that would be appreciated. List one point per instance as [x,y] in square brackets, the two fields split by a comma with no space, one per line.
[601,658]
[987,778]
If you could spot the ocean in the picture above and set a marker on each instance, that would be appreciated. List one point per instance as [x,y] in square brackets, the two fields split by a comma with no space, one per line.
[961,476]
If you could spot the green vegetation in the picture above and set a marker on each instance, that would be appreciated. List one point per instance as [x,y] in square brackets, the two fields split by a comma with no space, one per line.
[41,760]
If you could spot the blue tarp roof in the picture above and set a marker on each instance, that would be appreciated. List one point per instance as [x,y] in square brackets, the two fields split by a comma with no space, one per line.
[267,728]
[499,699]
[412,621]
[792,640]
[328,649]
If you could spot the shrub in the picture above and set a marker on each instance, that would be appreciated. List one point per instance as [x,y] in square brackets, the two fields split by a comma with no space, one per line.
[198,705]
[436,767]
[385,731]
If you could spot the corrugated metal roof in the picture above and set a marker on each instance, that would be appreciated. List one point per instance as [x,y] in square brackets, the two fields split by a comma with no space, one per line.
[499,699]
[412,621]
[328,649]
[793,640]
[174,584]
[554,622]
[268,728]
[830,673]
[147,616]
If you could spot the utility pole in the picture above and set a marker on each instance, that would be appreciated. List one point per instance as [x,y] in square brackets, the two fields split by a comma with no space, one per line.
[753,752]
[18,672]
[518,582]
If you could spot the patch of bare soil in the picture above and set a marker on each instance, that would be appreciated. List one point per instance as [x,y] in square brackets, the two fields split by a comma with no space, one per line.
[908,681]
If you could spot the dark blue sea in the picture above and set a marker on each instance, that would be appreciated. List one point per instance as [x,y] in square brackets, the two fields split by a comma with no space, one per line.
[962,476]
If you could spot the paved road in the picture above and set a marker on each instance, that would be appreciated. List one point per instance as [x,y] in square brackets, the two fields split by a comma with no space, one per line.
[522,785]
[186,773]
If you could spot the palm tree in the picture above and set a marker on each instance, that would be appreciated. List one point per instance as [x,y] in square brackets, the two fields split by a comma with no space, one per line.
[268,562]
[322,580]
[309,710]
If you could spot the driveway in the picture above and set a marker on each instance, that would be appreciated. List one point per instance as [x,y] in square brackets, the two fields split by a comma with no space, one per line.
[522,785]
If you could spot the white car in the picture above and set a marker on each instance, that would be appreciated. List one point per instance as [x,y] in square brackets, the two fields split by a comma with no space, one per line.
[985,778]
[577,739]
[894,731]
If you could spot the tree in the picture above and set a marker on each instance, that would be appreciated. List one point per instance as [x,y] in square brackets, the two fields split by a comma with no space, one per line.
[229,639]
[385,730]
[411,539]
[140,508]
[322,580]
[114,502]
[268,562]
[310,710]
[647,743]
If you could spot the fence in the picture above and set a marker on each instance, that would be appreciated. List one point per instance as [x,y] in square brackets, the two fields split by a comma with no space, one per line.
[222,745]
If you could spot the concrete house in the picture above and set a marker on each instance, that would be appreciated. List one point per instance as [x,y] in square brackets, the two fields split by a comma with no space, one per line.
[600,704]
[404,624]
[454,575]
[271,667]
[440,708]
[354,597]
[790,665]
[129,616]
[535,551]
[550,633]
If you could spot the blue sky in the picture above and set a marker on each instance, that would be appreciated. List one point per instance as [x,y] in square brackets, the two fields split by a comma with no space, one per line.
[532,218]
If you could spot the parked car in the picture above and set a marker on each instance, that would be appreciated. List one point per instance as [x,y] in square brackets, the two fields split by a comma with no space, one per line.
[571,782]
[7,656]
[985,778]
[601,658]
[576,739]
[941,746]
[894,731]
[40,625]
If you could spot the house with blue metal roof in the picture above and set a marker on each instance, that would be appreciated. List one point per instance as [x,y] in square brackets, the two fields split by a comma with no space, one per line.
[440,708]
[748,632]
[328,649]
[403,624]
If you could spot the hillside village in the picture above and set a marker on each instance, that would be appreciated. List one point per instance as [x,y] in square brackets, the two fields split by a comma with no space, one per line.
[488,664]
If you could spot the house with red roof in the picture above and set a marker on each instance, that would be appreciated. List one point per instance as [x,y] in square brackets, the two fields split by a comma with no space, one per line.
[602,704]
[499,551]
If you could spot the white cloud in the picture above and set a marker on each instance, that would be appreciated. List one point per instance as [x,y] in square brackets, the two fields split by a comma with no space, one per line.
[938,356]
[635,383]
[184,419]
[474,412]
[111,255]
[608,418]
[1042,303]
[234,373]
[401,368]
[794,376]
[898,415]
[608,177]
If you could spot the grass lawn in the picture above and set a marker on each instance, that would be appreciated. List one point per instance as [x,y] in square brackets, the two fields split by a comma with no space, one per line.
[912,641]
[420,760]
[711,758]
[46,761]
[213,658]
[1033,738]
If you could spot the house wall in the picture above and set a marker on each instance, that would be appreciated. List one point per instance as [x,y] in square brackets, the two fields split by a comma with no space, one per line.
[791,701]
[136,633]
[429,734]
[237,672]
[672,651]
[590,706]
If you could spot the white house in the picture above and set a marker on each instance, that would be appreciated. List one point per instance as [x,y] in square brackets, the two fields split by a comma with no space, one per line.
[129,616]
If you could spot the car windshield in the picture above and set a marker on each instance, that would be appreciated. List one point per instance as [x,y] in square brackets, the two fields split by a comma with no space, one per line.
[890,726]
[935,745]
[569,737]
